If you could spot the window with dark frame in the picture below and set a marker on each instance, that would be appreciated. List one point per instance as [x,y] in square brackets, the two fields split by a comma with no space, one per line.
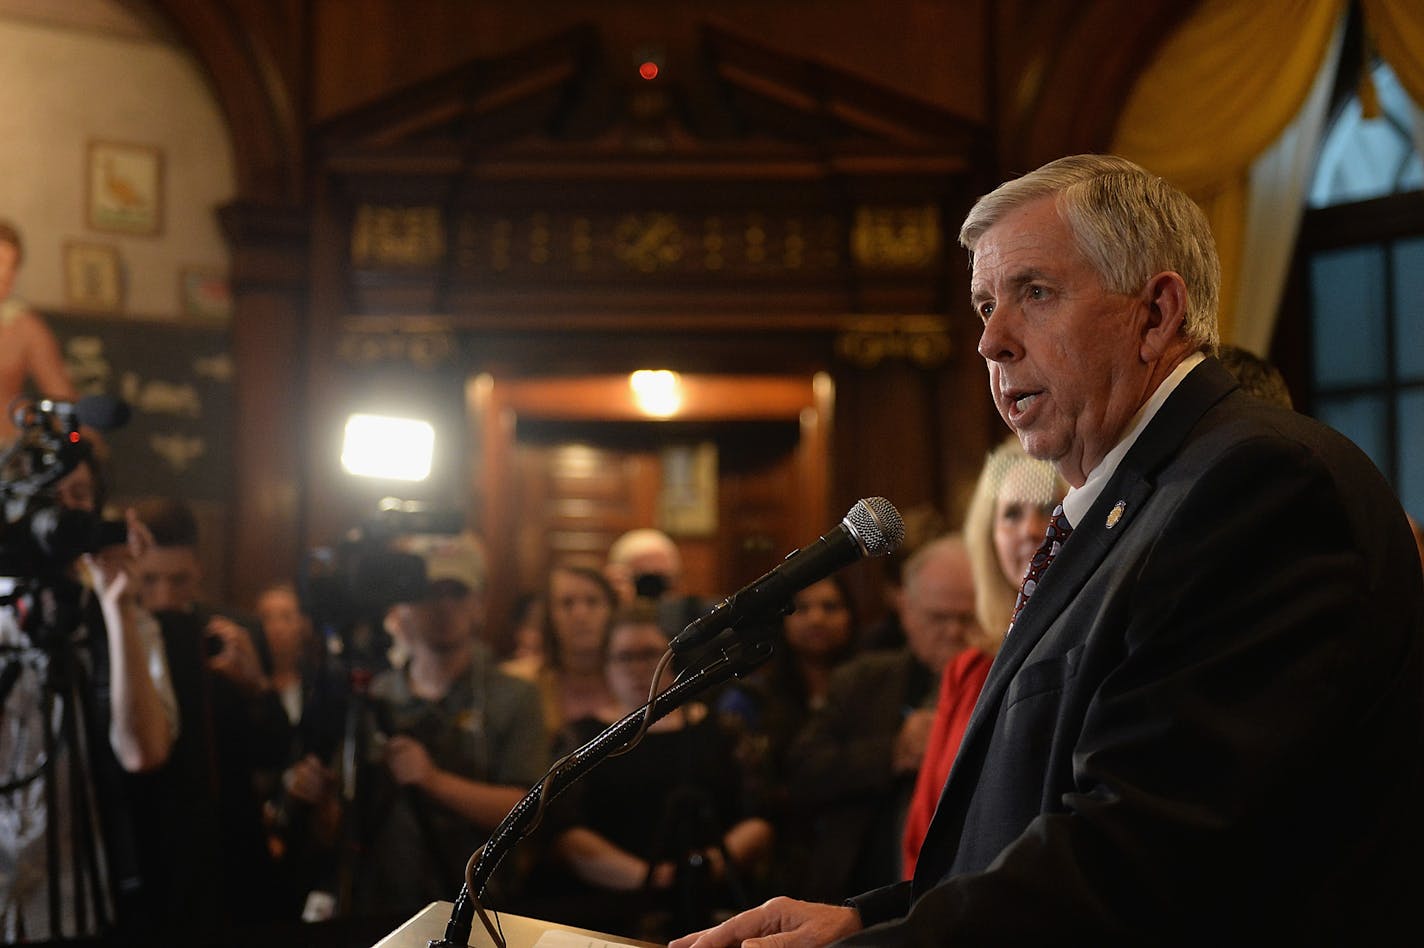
[1362,255]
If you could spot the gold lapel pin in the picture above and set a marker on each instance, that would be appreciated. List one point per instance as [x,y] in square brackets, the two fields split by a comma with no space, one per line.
[1116,513]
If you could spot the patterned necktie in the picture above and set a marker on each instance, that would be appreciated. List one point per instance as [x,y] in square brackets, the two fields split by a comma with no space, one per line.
[1057,534]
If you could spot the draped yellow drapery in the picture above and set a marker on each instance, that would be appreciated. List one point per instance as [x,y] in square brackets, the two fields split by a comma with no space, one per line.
[1397,28]
[1220,90]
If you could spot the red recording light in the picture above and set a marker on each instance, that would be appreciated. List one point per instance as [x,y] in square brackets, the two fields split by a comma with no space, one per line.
[74,437]
[648,70]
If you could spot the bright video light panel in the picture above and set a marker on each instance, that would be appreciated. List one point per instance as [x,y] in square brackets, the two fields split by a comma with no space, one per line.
[395,448]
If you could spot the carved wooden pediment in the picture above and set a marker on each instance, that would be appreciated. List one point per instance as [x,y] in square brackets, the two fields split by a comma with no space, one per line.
[547,185]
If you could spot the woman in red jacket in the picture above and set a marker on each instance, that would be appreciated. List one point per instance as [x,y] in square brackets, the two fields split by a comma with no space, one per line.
[1007,518]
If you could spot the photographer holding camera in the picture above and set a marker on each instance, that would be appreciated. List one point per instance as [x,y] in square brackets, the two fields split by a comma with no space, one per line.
[450,742]
[207,807]
[84,689]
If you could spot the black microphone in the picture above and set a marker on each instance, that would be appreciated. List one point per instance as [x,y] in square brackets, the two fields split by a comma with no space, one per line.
[104,412]
[872,528]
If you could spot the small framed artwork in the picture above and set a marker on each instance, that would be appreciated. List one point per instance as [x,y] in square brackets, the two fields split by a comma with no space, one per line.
[204,293]
[125,188]
[93,277]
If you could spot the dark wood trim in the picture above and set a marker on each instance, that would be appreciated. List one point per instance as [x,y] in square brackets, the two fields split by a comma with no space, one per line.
[1070,69]
[1380,219]
[255,94]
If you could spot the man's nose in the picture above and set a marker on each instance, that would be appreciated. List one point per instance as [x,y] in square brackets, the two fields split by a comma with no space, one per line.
[997,342]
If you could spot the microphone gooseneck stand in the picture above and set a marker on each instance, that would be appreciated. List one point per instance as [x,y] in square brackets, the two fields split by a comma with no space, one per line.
[747,650]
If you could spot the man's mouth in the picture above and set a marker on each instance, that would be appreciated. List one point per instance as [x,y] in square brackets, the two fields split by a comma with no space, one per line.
[1020,402]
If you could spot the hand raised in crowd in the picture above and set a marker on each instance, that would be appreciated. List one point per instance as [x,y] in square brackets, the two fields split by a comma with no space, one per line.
[312,783]
[309,780]
[910,743]
[236,658]
[409,761]
[778,923]
[110,569]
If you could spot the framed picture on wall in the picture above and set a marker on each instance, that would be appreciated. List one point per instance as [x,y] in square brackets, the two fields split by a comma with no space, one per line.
[203,293]
[125,188]
[93,277]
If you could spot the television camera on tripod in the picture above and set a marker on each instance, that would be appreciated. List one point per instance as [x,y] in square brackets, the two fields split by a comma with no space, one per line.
[84,692]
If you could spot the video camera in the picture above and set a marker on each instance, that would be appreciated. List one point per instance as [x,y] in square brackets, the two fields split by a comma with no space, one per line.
[38,536]
[362,576]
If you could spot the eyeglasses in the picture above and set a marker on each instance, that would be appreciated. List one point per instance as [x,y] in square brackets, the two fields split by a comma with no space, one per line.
[646,656]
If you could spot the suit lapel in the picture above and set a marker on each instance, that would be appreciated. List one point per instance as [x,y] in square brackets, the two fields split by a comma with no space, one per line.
[1090,543]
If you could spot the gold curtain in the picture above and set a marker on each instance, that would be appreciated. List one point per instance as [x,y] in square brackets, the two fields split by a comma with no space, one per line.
[1397,28]
[1219,91]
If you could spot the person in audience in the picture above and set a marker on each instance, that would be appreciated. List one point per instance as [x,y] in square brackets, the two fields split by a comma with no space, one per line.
[1011,507]
[578,607]
[205,806]
[300,821]
[768,708]
[451,742]
[525,640]
[646,564]
[923,523]
[1228,596]
[856,759]
[28,350]
[1257,376]
[656,838]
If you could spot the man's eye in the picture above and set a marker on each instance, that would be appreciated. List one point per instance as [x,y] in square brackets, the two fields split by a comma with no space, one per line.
[1037,293]
[986,310]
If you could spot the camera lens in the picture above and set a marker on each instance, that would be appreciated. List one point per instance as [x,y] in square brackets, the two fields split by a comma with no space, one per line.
[650,585]
[111,533]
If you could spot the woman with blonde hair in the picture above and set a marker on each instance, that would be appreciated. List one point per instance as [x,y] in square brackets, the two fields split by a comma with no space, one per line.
[1007,518]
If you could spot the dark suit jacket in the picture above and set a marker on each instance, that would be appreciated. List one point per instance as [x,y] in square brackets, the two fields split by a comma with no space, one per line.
[1205,727]
[841,769]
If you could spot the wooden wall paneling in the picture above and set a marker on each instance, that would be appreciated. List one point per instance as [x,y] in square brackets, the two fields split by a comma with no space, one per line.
[328,511]
[269,284]
[1064,71]
[566,494]
[757,526]
[254,52]
[493,483]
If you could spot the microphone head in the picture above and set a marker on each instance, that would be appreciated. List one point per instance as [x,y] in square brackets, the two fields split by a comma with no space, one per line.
[104,412]
[876,525]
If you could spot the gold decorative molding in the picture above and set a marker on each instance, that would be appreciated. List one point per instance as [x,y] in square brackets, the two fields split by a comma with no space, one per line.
[731,244]
[920,340]
[895,238]
[386,236]
[423,349]
[648,242]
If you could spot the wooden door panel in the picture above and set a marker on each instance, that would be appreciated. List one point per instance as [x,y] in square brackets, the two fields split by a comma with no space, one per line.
[561,489]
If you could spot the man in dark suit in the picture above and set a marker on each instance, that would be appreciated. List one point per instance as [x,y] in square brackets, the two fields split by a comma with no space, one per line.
[852,767]
[1205,725]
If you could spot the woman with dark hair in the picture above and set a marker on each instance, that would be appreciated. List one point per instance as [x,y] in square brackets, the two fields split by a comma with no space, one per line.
[578,611]
[769,707]
[299,811]
[657,840]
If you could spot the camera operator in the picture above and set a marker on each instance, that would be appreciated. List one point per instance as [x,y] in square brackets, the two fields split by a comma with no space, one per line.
[235,730]
[451,742]
[86,695]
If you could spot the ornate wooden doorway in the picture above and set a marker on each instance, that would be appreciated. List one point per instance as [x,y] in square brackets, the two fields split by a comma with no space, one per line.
[738,477]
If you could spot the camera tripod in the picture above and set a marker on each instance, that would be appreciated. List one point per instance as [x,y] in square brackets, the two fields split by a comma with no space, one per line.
[48,722]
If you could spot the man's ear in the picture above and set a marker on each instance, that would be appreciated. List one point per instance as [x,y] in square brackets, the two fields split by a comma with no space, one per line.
[1166,314]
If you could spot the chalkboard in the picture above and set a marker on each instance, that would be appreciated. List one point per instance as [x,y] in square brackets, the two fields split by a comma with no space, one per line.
[177,378]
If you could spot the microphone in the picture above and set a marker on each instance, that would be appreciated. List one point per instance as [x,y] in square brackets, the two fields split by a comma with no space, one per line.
[871,528]
[104,412]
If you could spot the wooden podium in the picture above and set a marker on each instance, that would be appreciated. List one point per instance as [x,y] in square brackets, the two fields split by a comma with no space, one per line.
[519,932]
